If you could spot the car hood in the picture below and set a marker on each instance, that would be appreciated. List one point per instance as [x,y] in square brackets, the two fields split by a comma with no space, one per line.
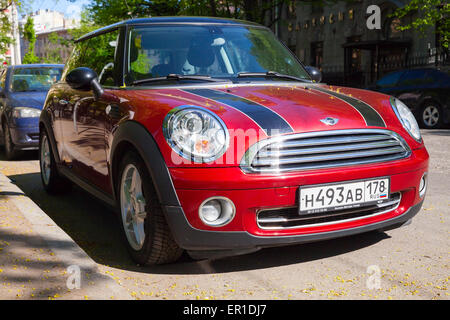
[28,99]
[254,112]
[285,108]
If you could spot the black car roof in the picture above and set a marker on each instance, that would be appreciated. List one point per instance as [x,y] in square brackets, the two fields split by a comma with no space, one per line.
[169,20]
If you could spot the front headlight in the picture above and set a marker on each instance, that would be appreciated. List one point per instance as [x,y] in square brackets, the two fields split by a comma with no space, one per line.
[196,133]
[24,112]
[406,118]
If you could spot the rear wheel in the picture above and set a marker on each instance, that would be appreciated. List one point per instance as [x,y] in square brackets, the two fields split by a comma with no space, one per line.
[51,180]
[147,234]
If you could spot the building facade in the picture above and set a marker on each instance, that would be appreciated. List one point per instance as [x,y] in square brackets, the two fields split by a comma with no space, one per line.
[337,39]
[13,55]
[52,35]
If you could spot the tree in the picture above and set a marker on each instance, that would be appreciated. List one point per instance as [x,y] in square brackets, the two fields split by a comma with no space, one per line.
[105,12]
[431,13]
[86,25]
[30,36]
[52,51]
[5,26]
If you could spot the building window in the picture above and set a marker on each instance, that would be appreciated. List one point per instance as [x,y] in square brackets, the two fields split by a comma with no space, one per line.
[292,8]
[317,54]
[392,31]
[354,55]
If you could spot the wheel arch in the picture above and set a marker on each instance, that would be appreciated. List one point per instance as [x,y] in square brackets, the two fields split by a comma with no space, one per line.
[133,136]
[46,123]
[2,121]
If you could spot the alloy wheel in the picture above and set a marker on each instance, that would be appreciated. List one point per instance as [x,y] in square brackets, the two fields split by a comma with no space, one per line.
[430,116]
[132,206]
[45,160]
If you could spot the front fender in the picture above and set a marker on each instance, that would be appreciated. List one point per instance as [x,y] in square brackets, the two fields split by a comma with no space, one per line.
[134,134]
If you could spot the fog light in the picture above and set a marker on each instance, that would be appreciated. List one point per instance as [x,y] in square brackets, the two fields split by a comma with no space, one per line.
[423,185]
[217,211]
[211,210]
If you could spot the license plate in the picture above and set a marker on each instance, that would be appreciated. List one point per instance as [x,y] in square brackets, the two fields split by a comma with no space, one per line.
[340,196]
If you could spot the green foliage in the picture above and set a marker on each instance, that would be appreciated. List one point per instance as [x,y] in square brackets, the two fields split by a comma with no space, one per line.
[53,49]
[30,36]
[430,13]
[86,26]
[5,27]
[100,51]
[105,12]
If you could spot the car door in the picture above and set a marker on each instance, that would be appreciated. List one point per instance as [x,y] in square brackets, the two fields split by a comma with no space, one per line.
[3,96]
[412,85]
[83,116]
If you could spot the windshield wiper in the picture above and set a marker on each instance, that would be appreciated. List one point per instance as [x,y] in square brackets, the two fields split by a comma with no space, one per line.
[269,74]
[178,77]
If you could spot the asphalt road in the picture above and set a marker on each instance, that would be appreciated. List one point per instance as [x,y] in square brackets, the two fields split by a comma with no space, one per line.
[407,263]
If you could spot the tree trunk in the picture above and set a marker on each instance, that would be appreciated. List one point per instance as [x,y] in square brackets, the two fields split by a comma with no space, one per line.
[249,9]
[212,4]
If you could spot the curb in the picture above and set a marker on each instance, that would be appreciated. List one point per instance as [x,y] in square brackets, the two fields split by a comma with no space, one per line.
[59,242]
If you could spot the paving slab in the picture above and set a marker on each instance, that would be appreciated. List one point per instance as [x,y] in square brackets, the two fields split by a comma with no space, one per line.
[38,260]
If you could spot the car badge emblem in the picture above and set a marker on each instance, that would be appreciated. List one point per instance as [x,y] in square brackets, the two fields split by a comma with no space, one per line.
[330,121]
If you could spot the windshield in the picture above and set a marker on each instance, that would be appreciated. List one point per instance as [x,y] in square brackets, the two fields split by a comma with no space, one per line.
[34,79]
[215,51]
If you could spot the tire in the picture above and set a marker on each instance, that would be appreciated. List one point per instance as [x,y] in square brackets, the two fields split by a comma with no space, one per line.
[10,151]
[52,181]
[147,235]
[431,116]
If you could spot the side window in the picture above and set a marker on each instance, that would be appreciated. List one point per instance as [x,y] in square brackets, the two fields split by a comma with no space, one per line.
[389,80]
[97,53]
[416,78]
[77,58]
[100,56]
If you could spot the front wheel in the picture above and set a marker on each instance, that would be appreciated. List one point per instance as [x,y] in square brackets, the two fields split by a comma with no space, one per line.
[10,151]
[431,115]
[147,234]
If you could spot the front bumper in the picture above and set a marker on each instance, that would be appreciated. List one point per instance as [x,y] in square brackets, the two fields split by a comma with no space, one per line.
[217,243]
[25,134]
[251,193]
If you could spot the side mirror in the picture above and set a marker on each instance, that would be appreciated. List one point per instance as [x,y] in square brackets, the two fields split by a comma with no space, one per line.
[84,79]
[315,73]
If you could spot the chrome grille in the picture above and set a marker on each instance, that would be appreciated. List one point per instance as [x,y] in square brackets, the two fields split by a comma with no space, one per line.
[285,218]
[325,149]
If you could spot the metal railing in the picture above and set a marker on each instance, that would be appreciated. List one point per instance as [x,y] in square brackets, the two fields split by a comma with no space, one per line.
[337,75]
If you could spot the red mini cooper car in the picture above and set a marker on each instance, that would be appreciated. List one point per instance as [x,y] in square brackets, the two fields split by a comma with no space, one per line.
[209,135]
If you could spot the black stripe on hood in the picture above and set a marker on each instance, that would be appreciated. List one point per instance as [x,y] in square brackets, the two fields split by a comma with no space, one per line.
[271,122]
[370,115]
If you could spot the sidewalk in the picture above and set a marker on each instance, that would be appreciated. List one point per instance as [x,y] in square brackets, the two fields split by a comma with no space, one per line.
[35,256]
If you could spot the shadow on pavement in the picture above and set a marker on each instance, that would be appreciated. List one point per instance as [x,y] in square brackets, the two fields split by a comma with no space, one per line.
[28,268]
[95,228]
[23,156]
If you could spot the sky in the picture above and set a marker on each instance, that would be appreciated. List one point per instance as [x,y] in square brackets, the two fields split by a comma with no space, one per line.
[70,9]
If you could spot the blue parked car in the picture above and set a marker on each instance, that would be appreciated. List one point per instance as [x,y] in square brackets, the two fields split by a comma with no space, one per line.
[424,90]
[23,89]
